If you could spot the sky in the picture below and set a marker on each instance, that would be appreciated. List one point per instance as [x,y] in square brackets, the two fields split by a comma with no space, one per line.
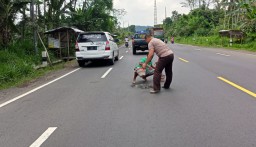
[141,12]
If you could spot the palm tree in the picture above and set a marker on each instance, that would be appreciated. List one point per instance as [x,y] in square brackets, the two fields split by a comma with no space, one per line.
[232,13]
[94,15]
[56,10]
[249,15]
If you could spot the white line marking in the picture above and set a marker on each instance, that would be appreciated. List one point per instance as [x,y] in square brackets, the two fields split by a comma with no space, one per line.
[106,73]
[33,90]
[198,49]
[251,55]
[43,137]
[222,54]
[121,57]
[126,51]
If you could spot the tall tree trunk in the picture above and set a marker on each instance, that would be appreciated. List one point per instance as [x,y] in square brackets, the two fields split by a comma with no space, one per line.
[75,5]
[49,18]
[23,22]
[44,18]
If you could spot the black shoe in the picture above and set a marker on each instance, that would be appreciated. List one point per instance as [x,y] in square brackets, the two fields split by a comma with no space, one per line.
[166,87]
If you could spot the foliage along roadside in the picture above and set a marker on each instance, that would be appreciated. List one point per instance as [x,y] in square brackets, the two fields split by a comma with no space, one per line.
[19,72]
[203,23]
[216,41]
[17,64]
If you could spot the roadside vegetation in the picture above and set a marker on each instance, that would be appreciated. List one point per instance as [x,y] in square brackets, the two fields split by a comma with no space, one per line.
[19,22]
[217,42]
[202,25]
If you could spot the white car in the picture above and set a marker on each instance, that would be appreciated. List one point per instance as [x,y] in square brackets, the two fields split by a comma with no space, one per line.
[92,46]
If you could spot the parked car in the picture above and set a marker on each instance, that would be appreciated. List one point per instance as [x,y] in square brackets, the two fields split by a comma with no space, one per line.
[139,43]
[91,46]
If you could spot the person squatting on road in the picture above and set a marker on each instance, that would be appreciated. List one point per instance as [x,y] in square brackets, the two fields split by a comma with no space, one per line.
[143,73]
[165,60]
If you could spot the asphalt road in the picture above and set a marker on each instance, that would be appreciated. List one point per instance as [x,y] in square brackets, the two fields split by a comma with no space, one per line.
[211,103]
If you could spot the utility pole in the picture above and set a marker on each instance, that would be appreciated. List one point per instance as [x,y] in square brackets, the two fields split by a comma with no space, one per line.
[32,11]
[155,14]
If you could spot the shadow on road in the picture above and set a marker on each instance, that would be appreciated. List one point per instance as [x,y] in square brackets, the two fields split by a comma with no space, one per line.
[95,64]
[141,53]
[142,85]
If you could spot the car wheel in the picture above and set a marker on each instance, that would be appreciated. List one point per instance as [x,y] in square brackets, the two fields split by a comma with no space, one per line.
[117,56]
[112,60]
[134,51]
[81,63]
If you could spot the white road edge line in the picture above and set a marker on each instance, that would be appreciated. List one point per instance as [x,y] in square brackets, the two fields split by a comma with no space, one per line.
[251,55]
[43,137]
[222,54]
[198,49]
[106,73]
[121,57]
[33,90]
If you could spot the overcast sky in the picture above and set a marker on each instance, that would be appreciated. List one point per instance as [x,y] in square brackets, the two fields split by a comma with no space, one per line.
[141,12]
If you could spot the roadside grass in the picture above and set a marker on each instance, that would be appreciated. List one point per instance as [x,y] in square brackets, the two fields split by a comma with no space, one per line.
[17,65]
[14,78]
[219,42]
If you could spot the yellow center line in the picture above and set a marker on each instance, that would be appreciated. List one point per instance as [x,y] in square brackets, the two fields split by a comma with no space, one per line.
[183,60]
[238,87]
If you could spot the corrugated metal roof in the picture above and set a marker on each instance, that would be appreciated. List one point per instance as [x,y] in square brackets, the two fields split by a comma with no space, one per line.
[62,29]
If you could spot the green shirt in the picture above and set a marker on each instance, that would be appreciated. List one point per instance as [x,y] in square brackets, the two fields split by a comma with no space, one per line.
[143,60]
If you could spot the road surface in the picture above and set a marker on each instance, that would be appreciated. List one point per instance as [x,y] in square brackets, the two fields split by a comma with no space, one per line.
[211,103]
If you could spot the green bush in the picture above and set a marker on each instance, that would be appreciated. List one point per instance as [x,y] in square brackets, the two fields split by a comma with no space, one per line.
[12,67]
[17,61]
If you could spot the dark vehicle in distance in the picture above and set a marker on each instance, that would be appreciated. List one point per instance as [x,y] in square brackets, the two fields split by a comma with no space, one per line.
[139,43]
[157,32]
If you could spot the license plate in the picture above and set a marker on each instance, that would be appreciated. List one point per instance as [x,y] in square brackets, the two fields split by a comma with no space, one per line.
[91,48]
[143,46]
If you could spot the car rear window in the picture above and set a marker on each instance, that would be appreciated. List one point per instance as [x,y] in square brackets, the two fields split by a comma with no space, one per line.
[139,36]
[93,37]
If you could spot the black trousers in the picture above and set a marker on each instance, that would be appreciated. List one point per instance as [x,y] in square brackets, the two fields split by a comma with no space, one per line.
[163,63]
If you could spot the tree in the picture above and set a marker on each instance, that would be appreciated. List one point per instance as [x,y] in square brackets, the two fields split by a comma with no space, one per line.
[249,15]
[200,21]
[131,28]
[8,12]
[189,3]
[56,11]
[94,15]
[167,24]
[175,15]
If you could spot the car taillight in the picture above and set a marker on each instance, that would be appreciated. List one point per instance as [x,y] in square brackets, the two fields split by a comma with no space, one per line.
[107,48]
[76,47]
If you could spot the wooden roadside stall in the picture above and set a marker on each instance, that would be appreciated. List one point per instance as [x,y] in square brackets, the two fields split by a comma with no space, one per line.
[233,34]
[61,41]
